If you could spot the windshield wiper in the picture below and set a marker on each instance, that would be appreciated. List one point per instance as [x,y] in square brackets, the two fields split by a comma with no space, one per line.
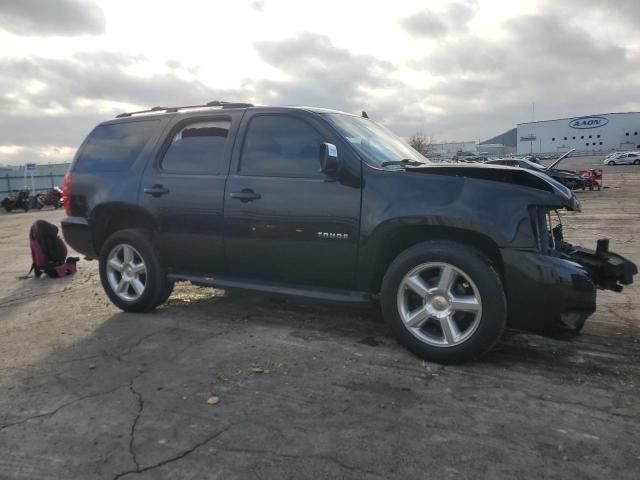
[404,161]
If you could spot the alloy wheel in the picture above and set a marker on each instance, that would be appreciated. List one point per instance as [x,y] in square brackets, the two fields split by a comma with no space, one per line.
[439,304]
[126,272]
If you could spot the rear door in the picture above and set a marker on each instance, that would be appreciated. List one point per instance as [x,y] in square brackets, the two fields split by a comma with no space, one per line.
[184,189]
[284,220]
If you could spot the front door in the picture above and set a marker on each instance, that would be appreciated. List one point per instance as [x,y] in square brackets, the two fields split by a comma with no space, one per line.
[184,190]
[284,220]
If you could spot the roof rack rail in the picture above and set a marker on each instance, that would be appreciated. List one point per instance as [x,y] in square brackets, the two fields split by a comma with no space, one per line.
[214,103]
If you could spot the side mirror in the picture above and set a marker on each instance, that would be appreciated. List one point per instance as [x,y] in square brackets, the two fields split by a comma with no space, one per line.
[329,159]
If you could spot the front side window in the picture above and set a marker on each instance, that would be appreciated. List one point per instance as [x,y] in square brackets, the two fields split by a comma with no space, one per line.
[197,148]
[280,146]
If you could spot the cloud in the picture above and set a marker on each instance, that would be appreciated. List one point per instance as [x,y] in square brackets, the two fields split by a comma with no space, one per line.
[427,23]
[258,5]
[475,85]
[322,74]
[58,101]
[99,76]
[318,69]
[611,10]
[563,69]
[51,17]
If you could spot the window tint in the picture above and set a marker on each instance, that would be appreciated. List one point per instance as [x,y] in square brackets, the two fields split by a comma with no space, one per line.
[197,149]
[280,146]
[114,147]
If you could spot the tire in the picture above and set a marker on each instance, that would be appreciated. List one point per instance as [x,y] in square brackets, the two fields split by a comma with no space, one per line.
[165,293]
[611,163]
[636,162]
[8,208]
[26,208]
[136,257]
[476,280]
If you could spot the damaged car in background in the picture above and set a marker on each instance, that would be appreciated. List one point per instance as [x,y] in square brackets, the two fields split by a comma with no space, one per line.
[568,178]
[327,205]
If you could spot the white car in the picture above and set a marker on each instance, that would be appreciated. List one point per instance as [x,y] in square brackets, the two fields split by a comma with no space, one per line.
[623,158]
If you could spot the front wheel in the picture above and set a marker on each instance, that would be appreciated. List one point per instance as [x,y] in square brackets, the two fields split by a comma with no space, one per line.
[444,301]
[611,163]
[131,272]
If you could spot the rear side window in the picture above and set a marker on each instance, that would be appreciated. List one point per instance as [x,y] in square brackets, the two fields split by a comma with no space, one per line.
[114,147]
[197,148]
[280,146]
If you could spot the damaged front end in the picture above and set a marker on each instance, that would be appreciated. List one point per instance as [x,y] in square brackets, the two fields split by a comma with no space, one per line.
[607,270]
[551,288]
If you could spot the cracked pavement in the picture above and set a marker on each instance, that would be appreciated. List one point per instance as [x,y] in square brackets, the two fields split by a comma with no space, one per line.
[87,391]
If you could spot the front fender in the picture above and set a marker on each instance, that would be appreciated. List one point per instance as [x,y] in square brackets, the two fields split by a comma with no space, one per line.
[393,201]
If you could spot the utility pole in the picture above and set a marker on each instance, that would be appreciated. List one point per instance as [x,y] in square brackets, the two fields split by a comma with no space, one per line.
[533,111]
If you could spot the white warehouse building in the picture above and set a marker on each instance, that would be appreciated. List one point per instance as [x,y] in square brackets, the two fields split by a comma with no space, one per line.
[592,133]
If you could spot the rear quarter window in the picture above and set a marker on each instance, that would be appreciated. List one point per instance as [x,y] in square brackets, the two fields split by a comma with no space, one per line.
[114,147]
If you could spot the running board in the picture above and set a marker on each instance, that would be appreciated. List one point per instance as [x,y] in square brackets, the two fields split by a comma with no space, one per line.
[224,282]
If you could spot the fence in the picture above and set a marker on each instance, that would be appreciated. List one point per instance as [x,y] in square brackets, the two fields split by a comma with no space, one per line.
[12,180]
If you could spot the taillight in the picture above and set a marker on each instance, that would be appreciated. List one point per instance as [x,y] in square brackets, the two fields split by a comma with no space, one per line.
[66,193]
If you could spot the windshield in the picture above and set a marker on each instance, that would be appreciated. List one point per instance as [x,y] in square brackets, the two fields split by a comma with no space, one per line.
[375,142]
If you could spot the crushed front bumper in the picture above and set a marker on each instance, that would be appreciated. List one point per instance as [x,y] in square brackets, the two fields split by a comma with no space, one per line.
[608,270]
[556,293]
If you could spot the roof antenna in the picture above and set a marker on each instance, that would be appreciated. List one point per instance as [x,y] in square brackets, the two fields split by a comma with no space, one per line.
[364,114]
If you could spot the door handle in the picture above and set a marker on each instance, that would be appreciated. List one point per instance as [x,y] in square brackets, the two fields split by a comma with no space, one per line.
[156,191]
[245,195]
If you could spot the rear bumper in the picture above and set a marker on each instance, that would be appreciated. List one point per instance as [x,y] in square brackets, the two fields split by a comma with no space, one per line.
[546,294]
[77,234]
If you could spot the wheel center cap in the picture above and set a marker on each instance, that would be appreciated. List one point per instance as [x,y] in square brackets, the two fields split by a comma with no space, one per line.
[128,272]
[440,303]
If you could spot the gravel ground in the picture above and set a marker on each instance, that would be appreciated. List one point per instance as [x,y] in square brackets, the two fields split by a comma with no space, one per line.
[306,390]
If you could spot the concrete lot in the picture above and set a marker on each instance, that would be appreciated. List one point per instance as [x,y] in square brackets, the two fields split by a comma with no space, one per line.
[87,391]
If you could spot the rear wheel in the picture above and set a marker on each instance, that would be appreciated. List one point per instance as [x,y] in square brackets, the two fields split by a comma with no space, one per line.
[131,272]
[444,301]
[636,162]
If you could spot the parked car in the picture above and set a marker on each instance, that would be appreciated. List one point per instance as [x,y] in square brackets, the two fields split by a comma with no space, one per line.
[323,204]
[568,178]
[623,158]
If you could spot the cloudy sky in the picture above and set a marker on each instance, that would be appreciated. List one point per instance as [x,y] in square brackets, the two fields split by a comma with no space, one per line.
[456,70]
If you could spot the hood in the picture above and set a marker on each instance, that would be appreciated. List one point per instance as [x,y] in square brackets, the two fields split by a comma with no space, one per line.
[501,173]
[562,157]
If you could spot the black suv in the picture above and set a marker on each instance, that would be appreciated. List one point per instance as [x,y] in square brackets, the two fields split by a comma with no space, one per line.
[324,204]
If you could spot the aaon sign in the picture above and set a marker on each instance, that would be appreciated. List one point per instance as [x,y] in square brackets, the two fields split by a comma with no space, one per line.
[588,122]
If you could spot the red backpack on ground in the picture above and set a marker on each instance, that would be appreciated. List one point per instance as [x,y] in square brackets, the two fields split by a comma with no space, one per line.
[49,252]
